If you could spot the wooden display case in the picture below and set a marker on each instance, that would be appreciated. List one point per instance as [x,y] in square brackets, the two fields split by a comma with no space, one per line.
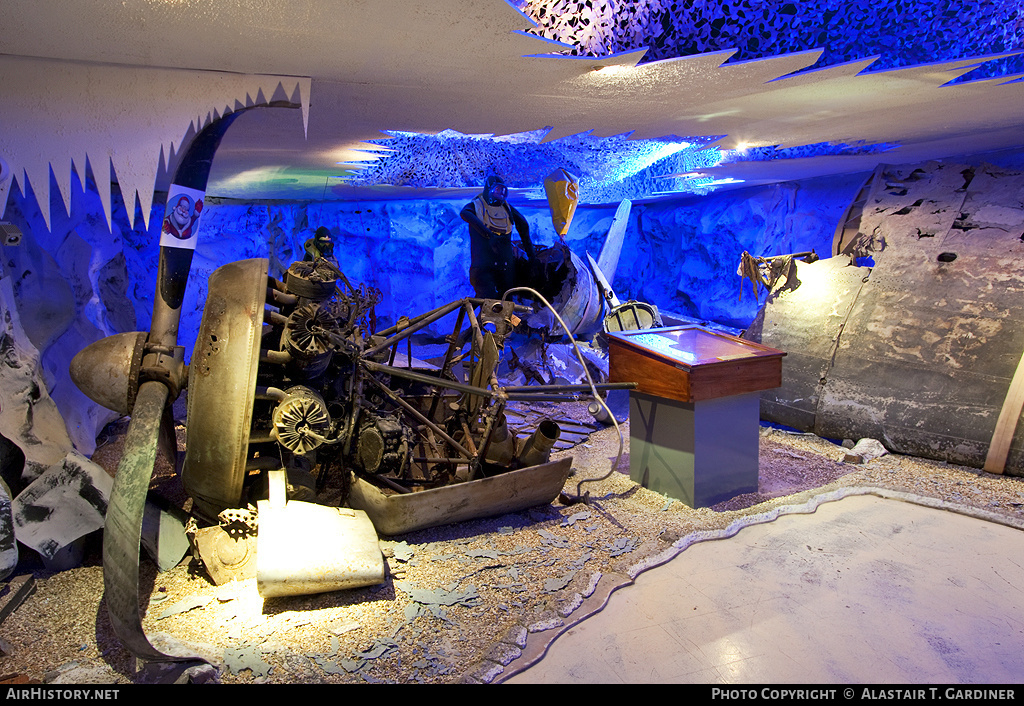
[694,417]
[691,363]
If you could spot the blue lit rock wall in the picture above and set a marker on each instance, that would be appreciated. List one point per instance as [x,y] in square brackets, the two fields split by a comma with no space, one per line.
[683,256]
[72,286]
[416,252]
[81,281]
[680,255]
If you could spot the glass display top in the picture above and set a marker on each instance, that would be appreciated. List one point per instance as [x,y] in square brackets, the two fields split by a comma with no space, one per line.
[693,345]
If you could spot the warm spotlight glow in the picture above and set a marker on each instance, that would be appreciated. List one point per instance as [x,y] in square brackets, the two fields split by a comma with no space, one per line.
[815,282]
[615,70]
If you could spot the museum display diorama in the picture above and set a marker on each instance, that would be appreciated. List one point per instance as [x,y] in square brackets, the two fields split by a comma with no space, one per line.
[390,393]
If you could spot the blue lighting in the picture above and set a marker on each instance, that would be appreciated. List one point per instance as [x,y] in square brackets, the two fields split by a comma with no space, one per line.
[764,154]
[643,155]
[609,168]
[902,33]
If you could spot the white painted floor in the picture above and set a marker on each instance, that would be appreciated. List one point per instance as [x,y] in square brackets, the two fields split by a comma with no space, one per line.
[865,590]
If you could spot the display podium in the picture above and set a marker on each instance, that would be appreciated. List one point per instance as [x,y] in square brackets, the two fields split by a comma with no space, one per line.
[694,416]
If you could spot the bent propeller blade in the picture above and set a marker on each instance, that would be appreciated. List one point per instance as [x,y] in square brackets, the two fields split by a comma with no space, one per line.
[162,374]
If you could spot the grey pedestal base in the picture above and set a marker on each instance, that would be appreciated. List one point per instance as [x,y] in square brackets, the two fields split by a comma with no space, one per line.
[701,453]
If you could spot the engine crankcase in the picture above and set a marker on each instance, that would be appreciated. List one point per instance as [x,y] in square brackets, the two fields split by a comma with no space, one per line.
[384,445]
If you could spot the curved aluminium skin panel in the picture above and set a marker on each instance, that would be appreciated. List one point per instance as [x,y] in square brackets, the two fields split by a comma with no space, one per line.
[919,350]
[484,497]
[222,386]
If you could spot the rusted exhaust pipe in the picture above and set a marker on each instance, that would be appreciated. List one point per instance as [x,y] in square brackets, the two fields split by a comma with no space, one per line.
[537,448]
[502,447]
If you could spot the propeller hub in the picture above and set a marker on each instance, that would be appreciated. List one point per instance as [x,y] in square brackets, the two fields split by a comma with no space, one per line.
[107,371]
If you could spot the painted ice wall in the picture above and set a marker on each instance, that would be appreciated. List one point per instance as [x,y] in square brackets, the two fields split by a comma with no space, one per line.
[679,255]
[683,255]
[77,281]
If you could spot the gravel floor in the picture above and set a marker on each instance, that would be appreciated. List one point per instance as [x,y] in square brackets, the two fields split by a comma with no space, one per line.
[468,602]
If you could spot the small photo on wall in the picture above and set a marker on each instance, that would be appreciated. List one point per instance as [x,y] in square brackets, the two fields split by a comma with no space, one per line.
[181,222]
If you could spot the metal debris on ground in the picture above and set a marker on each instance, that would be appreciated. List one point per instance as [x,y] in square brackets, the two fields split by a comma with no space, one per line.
[403,552]
[511,596]
[14,593]
[550,539]
[436,600]
[572,519]
[623,545]
[330,666]
[379,648]
[559,582]
[185,605]
[238,659]
[521,420]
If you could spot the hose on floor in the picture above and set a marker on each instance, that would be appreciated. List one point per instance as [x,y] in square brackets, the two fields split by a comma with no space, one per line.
[579,497]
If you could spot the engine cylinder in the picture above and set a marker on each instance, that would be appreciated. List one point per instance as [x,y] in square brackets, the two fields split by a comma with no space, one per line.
[301,420]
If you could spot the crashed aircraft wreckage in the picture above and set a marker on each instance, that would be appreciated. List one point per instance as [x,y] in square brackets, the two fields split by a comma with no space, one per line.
[289,385]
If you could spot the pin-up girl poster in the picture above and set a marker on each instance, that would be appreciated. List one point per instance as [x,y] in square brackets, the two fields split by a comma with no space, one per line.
[181,224]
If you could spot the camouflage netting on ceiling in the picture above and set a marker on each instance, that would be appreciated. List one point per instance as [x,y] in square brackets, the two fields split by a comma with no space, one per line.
[762,154]
[609,169]
[902,33]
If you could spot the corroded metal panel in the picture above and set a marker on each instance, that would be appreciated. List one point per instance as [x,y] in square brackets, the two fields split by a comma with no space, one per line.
[913,202]
[921,366]
[925,360]
[931,341]
[911,409]
[222,386]
[806,323]
[991,219]
[484,497]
